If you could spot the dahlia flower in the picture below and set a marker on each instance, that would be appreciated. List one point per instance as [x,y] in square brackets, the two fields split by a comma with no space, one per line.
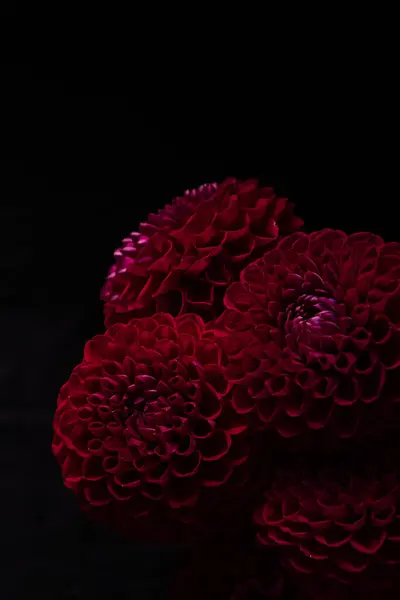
[339,533]
[183,258]
[140,429]
[324,309]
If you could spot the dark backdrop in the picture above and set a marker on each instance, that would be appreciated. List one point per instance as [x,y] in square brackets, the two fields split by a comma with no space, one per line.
[86,157]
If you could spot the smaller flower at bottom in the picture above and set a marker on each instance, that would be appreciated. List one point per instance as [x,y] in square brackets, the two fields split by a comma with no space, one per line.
[337,533]
[140,429]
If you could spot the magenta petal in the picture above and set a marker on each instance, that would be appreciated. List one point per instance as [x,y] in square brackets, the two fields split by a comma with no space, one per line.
[215,446]
[370,545]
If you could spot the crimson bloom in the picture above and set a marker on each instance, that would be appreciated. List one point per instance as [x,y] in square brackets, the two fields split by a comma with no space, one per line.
[140,428]
[185,256]
[339,533]
[325,311]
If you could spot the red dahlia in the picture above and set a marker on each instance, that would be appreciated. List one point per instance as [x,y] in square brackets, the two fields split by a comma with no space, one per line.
[184,257]
[340,534]
[140,427]
[325,311]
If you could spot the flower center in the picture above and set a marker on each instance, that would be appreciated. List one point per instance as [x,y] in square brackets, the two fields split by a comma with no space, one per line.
[311,317]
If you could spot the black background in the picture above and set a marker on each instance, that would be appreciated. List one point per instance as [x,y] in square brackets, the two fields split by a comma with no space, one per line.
[86,156]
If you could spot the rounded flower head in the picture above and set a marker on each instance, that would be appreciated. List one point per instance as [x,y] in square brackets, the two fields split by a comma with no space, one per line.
[140,430]
[184,257]
[325,311]
[338,534]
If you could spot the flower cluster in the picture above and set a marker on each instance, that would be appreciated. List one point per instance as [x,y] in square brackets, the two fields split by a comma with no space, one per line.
[235,345]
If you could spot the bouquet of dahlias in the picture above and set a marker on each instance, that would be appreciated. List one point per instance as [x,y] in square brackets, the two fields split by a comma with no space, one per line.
[244,400]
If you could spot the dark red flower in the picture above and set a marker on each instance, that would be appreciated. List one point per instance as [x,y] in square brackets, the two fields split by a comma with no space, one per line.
[184,257]
[140,427]
[325,310]
[338,533]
